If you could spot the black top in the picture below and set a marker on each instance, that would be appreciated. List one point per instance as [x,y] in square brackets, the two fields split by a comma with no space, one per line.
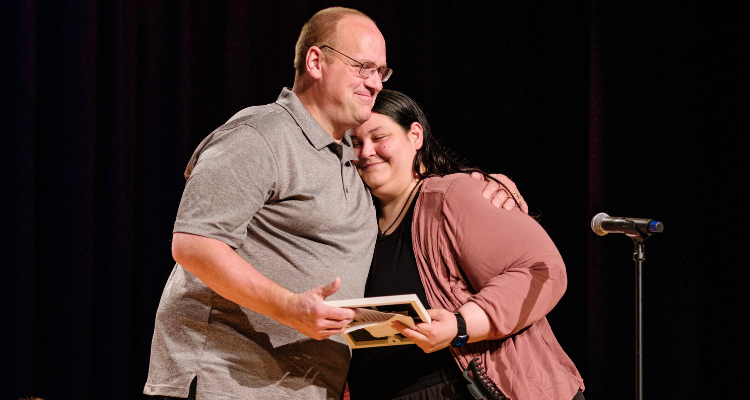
[393,371]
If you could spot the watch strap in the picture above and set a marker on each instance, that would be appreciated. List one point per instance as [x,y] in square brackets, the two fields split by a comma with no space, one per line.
[461,337]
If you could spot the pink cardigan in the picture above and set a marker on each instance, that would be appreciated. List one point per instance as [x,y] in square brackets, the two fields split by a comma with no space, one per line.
[504,261]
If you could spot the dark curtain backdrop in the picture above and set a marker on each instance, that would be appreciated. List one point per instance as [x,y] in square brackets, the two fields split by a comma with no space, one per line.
[589,106]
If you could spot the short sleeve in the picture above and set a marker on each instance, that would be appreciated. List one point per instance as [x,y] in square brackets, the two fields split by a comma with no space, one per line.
[233,176]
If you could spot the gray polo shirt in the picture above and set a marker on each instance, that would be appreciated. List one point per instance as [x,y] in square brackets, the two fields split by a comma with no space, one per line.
[273,185]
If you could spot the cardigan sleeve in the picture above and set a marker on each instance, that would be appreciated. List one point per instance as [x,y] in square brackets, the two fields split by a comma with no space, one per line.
[511,265]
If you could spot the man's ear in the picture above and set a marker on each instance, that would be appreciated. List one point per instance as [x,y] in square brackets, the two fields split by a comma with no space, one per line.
[416,135]
[313,62]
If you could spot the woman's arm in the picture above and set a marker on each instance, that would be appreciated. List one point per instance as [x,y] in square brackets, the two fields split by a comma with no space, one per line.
[440,333]
[510,263]
[502,266]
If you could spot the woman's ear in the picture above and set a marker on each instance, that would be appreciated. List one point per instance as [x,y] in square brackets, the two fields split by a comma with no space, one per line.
[416,135]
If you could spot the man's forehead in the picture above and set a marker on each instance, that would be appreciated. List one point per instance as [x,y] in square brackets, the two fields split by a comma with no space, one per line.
[356,23]
[355,33]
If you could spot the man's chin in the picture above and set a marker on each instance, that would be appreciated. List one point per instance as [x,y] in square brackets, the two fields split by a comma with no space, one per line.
[363,117]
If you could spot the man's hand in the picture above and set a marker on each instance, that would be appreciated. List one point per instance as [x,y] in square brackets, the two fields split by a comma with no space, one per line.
[307,313]
[498,195]
[433,336]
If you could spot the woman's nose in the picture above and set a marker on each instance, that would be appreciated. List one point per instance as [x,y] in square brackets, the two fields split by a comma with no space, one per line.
[367,149]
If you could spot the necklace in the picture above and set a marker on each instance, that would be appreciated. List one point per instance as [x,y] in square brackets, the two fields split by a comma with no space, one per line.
[402,208]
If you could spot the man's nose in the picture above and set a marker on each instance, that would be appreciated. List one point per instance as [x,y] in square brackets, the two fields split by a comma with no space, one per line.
[374,82]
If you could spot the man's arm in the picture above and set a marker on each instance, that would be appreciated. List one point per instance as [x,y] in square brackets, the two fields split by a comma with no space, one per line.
[499,196]
[220,268]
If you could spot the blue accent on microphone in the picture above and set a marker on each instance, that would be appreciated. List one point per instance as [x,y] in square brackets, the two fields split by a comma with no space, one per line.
[655,227]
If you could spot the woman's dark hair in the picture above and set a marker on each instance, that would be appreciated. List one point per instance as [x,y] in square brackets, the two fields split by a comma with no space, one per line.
[432,159]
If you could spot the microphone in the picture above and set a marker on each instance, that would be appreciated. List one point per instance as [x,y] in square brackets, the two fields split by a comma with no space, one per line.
[603,224]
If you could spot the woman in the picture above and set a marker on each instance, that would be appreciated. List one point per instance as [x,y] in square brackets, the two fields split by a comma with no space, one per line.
[497,269]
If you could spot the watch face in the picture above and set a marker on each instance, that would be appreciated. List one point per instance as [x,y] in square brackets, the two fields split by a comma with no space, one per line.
[460,340]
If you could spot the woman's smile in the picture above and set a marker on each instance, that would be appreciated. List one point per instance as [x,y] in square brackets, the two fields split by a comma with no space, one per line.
[385,153]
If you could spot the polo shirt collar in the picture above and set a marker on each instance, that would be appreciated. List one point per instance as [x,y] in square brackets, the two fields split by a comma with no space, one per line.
[316,135]
[348,149]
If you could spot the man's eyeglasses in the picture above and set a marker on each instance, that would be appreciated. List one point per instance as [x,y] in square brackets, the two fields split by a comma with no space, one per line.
[367,69]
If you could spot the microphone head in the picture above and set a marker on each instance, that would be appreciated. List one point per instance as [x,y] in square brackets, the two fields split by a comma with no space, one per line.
[655,227]
[596,224]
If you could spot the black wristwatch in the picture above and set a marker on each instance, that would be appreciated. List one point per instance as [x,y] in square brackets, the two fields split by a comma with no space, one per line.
[461,336]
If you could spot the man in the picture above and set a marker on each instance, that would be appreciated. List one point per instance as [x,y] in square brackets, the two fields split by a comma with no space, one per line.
[274,219]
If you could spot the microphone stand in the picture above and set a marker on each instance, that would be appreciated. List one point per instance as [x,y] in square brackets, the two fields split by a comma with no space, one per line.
[639,256]
[638,229]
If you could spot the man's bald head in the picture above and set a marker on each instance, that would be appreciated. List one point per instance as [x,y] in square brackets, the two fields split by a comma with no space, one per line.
[320,30]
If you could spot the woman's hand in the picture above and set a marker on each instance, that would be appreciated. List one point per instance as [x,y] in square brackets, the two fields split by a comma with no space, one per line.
[434,336]
[440,333]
